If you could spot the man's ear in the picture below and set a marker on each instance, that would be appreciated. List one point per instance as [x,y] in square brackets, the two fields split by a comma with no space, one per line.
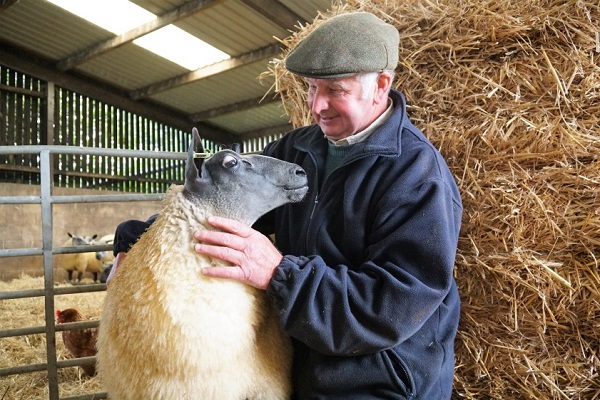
[384,84]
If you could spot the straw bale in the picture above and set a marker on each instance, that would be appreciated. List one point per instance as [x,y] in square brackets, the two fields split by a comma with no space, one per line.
[31,349]
[509,91]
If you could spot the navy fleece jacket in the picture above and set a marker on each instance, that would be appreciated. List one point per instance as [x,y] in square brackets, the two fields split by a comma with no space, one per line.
[366,286]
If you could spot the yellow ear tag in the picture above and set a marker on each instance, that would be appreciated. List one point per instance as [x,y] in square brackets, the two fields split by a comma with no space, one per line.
[205,154]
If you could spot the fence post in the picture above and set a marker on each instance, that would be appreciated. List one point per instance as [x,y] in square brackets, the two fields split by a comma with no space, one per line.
[46,193]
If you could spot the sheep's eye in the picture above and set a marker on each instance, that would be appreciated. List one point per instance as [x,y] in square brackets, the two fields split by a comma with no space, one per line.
[229,161]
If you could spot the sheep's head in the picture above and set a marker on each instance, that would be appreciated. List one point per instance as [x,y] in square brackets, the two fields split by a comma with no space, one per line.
[77,240]
[241,187]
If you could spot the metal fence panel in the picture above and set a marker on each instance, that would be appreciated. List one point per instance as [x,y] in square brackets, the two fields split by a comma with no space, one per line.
[46,201]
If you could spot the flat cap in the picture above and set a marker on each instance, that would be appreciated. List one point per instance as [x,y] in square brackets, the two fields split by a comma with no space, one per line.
[344,45]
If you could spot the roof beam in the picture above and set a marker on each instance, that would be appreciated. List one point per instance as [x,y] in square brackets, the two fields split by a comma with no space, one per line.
[273,130]
[204,72]
[185,10]
[235,107]
[43,69]
[275,12]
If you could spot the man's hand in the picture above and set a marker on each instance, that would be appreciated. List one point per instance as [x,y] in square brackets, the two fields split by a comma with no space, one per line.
[252,254]
[118,259]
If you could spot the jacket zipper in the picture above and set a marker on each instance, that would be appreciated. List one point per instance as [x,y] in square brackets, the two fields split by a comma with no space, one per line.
[314,206]
[316,202]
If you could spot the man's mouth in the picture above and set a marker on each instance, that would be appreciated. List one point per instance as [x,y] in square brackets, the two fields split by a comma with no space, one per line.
[327,118]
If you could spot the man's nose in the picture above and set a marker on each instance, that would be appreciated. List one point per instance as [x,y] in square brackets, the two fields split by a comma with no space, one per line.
[319,103]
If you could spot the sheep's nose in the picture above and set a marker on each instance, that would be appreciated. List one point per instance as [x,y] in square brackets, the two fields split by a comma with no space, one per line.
[300,172]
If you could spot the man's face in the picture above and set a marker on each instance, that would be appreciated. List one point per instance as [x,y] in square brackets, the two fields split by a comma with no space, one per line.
[341,107]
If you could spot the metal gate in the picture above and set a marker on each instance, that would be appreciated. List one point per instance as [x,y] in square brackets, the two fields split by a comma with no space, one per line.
[46,201]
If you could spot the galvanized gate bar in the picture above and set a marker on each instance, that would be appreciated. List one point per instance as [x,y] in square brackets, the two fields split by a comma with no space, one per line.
[21,294]
[92,151]
[20,252]
[106,198]
[46,191]
[20,199]
[55,250]
[19,332]
[41,329]
[82,198]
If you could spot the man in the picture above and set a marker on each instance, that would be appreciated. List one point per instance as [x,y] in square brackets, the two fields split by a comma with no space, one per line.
[362,269]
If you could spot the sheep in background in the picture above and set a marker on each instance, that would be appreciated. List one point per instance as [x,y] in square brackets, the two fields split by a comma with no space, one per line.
[71,262]
[106,257]
[93,264]
[105,272]
[167,331]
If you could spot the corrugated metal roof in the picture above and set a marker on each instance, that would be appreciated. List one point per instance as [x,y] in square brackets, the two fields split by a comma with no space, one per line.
[48,30]
[271,115]
[216,91]
[34,29]
[232,27]
[306,9]
[131,67]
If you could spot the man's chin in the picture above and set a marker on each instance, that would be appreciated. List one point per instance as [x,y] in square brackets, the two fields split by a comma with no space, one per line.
[335,136]
[332,137]
[330,132]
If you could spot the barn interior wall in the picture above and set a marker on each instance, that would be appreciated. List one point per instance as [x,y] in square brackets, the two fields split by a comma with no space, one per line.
[21,225]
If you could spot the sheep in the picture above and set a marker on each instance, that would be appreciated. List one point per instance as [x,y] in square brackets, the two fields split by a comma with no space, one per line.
[94,265]
[97,261]
[169,332]
[76,261]
[106,272]
[106,257]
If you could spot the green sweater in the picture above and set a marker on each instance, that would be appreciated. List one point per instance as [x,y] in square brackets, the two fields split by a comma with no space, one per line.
[335,155]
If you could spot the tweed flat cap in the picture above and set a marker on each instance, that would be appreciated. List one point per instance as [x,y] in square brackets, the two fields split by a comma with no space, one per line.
[344,45]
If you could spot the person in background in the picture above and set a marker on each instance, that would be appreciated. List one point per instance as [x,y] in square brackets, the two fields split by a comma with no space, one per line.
[361,271]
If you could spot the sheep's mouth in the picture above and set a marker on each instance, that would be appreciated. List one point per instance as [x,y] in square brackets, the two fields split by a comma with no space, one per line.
[298,187]
[296,193]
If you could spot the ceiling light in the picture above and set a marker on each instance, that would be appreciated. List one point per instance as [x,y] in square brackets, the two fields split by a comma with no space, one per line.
[170,42]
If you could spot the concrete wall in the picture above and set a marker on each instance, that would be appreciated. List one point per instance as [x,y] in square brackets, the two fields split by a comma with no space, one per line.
[21,226]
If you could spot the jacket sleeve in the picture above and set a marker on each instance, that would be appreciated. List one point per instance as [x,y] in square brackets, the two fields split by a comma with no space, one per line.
[401,284]
[129,232]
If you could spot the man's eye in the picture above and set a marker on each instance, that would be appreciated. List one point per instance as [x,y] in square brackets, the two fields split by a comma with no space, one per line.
[229,161]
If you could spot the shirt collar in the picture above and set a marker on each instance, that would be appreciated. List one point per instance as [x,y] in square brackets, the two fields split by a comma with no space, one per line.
[365,133]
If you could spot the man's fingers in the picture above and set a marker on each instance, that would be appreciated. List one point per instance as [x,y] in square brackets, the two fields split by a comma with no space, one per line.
[231,225]
[224,272]
[223,239]
[220,252]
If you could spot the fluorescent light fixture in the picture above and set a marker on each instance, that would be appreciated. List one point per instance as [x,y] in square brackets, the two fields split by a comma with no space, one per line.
[170,42]
[180,47]
[116,16]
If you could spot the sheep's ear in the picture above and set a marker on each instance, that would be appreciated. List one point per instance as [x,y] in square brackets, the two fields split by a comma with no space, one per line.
[194,166]
[197,178]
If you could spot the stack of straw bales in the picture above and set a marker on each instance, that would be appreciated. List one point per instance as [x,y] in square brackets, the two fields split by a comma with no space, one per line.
[509,91]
